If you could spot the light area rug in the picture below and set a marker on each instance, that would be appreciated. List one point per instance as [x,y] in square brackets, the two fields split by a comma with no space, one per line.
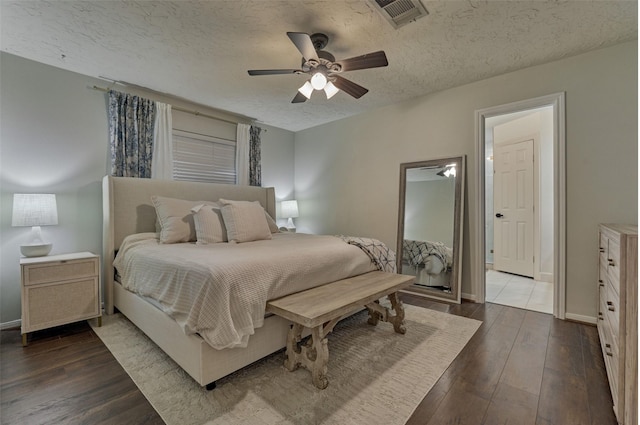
[376,376]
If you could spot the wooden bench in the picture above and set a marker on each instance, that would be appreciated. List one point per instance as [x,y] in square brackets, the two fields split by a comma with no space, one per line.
[322,307]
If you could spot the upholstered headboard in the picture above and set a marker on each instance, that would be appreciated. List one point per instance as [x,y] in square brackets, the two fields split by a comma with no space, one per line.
[127,209]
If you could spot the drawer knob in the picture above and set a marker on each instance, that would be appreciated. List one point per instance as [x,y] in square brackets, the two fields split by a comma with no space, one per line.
[601,249]
[610,306]
[609,353]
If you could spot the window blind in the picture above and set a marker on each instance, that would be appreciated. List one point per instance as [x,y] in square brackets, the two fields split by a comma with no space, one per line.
[202,158]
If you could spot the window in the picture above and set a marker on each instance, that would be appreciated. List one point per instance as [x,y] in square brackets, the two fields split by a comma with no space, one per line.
[201,158]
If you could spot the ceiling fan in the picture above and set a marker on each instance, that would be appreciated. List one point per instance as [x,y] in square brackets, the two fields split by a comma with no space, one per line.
[324,69]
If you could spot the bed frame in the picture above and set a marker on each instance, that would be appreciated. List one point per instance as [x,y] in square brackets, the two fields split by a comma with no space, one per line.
[127,209]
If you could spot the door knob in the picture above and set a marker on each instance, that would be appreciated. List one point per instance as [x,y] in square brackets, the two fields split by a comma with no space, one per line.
[499,215]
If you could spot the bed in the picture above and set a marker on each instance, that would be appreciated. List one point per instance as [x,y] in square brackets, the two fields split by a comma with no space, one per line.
[128,214]
[429,261]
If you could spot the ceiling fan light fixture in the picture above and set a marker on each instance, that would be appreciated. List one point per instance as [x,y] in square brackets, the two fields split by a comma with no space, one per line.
[306,89]
[318,81]
[330,90]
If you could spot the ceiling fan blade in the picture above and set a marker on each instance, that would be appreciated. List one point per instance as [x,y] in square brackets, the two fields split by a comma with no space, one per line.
[299,98]
[370,60]
[272,71]
[349,87]
[304,44]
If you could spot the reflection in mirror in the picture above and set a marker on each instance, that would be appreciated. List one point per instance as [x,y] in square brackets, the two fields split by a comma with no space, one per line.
[430,226]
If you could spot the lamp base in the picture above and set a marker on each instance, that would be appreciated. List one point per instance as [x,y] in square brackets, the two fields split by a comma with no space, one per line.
[36,250]
[290,226]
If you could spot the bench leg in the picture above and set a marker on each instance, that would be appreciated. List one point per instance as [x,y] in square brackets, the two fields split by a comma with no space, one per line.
[319,365]
[291,362]
[378,312]
[398,319]
[313,355]
[374,315]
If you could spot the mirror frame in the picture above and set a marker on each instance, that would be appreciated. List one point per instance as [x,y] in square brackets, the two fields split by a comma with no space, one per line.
[456,270]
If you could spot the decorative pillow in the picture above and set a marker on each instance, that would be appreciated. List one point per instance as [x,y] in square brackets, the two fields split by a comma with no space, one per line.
[209,224]
[245,221]
[273,227]
[175,219]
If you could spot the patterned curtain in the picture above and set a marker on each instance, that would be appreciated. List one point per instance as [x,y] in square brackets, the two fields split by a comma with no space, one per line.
[255,169]
[131,123]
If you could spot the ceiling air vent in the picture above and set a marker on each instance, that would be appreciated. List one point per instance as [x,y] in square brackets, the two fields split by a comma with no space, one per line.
[400,12]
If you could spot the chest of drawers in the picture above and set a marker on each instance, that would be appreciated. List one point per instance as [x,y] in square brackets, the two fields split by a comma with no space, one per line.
[618,315]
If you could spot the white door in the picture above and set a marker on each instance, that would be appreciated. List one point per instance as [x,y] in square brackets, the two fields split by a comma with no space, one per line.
[513,207]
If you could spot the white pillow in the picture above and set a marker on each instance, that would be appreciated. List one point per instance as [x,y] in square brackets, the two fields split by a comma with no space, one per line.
[245,221]
[209,224]
[175,219]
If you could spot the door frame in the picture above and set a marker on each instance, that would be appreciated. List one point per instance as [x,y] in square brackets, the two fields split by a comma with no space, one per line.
[557,101]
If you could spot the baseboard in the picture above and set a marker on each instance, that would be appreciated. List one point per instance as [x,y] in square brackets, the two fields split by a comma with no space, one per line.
[468,297]
[546,277]
[10,325]
[580,318]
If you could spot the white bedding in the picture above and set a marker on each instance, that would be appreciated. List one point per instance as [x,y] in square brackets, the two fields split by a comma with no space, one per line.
[220,290]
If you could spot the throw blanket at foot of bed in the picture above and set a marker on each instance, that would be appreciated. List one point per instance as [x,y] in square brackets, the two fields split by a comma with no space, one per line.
[380,254]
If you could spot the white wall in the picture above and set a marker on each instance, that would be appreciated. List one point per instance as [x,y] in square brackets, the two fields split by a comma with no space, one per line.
[54,139]
[347,172]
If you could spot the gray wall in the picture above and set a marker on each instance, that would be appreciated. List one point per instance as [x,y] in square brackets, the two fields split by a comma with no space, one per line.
[347,172]
[54,139]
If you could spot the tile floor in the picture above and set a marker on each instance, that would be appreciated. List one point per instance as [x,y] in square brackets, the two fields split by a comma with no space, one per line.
[519,291]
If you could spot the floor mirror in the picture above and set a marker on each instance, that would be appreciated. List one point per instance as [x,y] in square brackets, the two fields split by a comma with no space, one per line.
[430,226]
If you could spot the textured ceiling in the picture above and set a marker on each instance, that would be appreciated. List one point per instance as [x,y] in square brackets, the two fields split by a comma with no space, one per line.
[201,50]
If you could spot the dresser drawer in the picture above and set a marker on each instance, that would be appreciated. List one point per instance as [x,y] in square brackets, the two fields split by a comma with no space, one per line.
[610,354]
[613,264]
[602,303]
[35,274]
[612,310]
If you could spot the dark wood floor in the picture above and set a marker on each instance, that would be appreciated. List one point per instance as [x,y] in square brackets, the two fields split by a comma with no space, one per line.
[521,367]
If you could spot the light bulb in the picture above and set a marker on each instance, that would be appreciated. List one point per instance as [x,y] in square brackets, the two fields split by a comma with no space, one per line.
[330,90]
[306,90]
[318,81]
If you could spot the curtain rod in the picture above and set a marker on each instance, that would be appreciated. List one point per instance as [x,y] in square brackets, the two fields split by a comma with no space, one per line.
[178,108]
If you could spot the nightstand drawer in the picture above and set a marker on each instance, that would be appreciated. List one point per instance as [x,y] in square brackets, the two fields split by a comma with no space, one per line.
[35,274]
[60,303]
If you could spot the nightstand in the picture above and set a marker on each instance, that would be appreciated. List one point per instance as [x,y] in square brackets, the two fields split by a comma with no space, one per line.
[59,289]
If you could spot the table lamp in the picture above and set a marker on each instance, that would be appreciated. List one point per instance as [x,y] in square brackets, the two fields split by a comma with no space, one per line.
[289,210]
[35,210]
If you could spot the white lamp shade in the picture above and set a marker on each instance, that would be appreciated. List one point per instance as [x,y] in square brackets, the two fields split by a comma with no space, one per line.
[330,90]
[318,81]
[34,209]
[289,209]
[306,90]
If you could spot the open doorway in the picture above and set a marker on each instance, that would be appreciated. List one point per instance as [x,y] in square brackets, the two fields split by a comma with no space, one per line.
[519,209]
[520,242]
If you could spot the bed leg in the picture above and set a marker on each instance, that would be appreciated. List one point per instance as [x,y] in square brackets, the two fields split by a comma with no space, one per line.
[211,386]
